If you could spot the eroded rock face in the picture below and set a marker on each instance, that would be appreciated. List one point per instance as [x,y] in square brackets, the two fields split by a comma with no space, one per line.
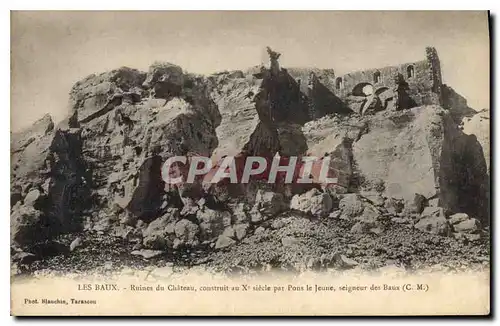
[423,151]
[259,114]
[51,179]
[165,80]
[98,94]
[479,125]
[333,136]
[127,146]
[456,104]
[402,153]
[235,100]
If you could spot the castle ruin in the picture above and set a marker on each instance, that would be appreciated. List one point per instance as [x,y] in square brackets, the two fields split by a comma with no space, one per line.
[391,88]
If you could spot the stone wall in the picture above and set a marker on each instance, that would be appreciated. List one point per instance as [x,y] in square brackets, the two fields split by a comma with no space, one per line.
[423,78]
[334,94]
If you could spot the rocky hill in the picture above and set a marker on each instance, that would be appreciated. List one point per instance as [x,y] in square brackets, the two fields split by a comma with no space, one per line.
[413,188]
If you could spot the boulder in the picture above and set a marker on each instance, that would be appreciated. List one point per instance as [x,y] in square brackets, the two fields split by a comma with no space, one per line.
[434,225]
[187,233]
[256,216]
[24,258]
[374,197]
[351,205]
[224,241]
[240,124]
[313,202]
[240,213]
[330,138]
[127,232]
[212,223]
[241,230]
[433,221]
[432,211]
[75,244]
[468,226]
[370,213]
[457,218]
[229,232]
[471,237]
[415,206]
[160,232]
[394,206]
[190,208]
[249,124]
[269,203]
[33,198]
[147,253]
[25,225]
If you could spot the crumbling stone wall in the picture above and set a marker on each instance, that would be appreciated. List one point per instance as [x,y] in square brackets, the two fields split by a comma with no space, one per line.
[435,66]
[328,93]
[423,78]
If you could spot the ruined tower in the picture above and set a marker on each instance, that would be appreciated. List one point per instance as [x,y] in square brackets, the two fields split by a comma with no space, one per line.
[435,72]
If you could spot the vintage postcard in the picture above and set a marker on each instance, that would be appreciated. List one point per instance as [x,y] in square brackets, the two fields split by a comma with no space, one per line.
[250,163]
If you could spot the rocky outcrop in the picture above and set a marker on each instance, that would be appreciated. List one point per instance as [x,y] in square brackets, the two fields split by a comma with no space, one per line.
[234,98]
[96,95]
[479,126]
[261,114]
[165,80]
[400,154]
[127,146]
[333,136]
[456,104]
[101,170]
[51,181]
[423,151]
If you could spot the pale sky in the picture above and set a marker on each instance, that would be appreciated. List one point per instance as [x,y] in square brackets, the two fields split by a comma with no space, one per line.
[50,51]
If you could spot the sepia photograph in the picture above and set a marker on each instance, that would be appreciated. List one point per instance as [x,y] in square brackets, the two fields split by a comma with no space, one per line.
[250,163]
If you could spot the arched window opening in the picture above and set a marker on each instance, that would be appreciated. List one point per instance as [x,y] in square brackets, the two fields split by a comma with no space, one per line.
[410,71]
[363,89]
[376,77]
[339,83]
